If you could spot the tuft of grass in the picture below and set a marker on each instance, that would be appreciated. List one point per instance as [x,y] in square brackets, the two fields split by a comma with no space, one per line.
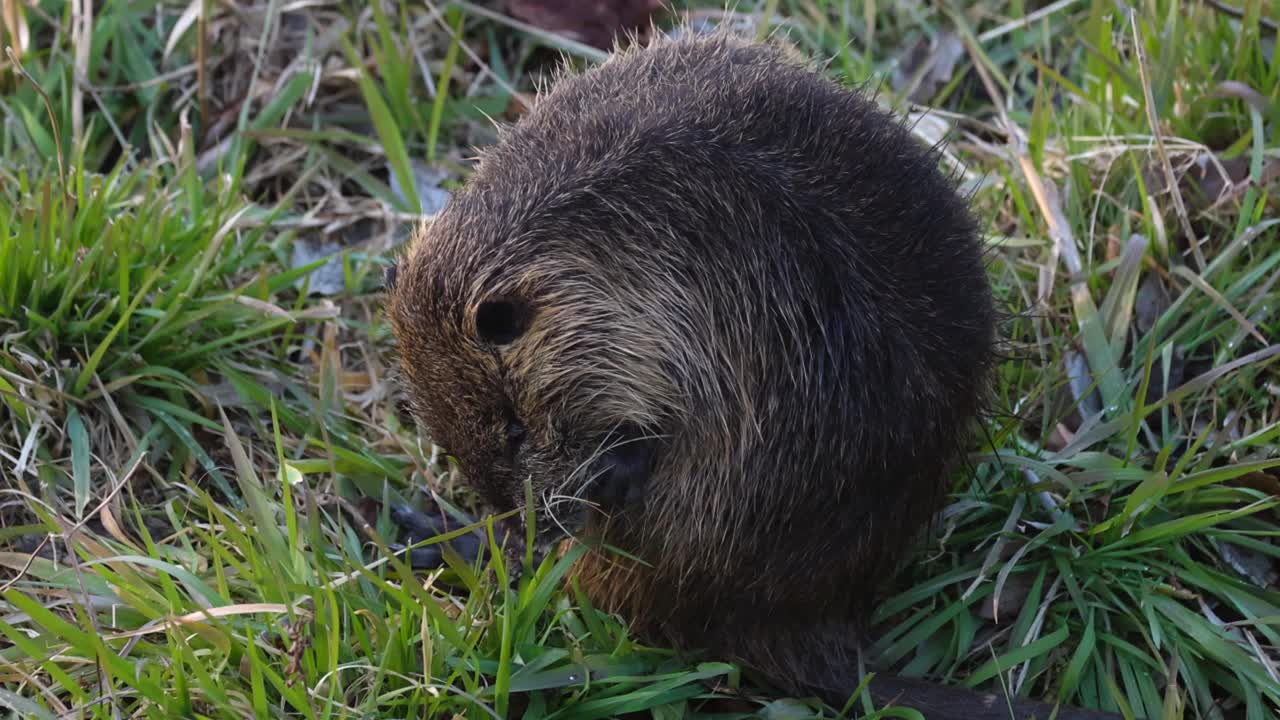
[272,609]
[131,285]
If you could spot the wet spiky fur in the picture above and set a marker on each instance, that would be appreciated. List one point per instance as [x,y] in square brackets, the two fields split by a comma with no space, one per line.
[760,277]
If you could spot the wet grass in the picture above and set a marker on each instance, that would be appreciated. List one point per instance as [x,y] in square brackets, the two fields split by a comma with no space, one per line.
[198,452]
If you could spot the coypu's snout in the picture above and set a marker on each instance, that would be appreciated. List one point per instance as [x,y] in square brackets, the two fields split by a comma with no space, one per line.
[623,469]
[588,491]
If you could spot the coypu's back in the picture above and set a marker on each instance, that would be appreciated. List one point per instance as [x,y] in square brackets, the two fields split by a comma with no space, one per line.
[757,281]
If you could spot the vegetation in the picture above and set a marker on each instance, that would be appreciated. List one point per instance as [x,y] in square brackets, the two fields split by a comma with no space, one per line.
[201,435]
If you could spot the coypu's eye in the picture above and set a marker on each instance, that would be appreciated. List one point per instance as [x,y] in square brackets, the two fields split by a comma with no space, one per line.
[498,322]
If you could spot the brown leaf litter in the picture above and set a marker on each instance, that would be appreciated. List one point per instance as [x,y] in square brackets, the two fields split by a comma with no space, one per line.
[593,22]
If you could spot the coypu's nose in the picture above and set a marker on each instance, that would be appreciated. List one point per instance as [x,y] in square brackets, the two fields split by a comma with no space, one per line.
[513,441]
[516,432]
[624,470]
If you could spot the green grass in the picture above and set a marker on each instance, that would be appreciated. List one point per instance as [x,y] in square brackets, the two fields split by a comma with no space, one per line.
[197,454]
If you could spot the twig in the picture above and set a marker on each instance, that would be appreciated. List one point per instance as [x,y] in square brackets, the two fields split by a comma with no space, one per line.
[1022,22]
[81,22]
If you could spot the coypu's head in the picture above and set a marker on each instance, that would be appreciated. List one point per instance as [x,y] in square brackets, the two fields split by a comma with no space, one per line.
[534,331]
[528,359]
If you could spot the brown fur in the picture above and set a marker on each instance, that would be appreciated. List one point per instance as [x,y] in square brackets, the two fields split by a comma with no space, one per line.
[746,329]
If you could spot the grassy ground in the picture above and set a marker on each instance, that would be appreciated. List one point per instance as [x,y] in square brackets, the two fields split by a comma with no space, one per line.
[199,438]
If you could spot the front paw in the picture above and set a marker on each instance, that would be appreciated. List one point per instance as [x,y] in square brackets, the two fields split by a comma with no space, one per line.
[419,526]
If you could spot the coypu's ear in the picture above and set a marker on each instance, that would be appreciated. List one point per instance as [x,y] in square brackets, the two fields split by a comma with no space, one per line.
[501,320]
[389,276]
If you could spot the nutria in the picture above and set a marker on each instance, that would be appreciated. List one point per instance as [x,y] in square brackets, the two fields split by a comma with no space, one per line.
[727,316]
